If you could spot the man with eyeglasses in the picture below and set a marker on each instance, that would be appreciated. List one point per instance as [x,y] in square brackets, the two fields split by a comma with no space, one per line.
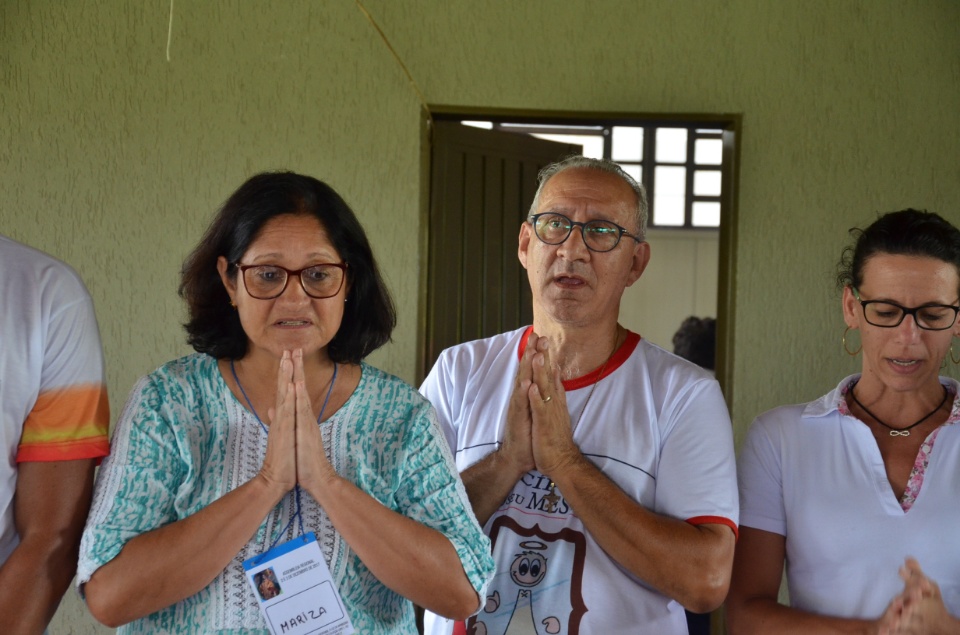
[601,466]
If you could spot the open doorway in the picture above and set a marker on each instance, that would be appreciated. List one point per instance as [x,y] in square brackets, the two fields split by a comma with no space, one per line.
[687,163]
[481,186]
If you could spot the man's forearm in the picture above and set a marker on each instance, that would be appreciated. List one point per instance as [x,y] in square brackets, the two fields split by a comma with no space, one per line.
[688,563]
[488,482]
[50,508]
[34,579]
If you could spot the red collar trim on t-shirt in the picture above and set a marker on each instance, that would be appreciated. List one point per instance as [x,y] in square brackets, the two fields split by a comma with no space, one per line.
[616,360]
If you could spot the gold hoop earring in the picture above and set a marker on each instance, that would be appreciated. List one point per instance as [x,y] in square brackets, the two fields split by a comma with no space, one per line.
[847,350]
[952,358]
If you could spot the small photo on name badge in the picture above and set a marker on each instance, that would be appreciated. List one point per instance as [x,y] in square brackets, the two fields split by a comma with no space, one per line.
[267,585]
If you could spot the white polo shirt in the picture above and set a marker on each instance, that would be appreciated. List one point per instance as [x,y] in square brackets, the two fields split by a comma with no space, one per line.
[816,476]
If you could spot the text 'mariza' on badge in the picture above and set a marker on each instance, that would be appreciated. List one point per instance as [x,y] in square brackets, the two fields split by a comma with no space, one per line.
[295,591]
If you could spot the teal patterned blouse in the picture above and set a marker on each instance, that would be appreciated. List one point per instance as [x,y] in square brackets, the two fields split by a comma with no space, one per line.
[183,441]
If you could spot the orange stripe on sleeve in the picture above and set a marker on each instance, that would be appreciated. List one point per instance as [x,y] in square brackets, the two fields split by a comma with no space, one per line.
[67,423]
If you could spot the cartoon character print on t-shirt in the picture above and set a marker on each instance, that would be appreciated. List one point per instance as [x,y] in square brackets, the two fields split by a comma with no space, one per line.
[537,587]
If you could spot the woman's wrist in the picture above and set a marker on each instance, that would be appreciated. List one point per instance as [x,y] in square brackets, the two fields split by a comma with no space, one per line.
[269,487]
[325,489]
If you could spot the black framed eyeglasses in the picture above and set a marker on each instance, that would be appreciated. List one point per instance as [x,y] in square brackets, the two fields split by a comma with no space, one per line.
[598,235]
[266,282]
[888,315]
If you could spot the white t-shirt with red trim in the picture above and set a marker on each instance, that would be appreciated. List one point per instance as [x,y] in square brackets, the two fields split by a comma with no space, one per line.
[655,424]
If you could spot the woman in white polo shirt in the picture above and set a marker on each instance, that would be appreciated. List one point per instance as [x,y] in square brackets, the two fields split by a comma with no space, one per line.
[857,492]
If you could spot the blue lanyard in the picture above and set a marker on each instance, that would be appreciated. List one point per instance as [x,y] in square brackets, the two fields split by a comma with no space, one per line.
[296,489]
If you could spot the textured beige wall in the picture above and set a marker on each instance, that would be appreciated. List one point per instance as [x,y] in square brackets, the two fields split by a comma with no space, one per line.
[114,158]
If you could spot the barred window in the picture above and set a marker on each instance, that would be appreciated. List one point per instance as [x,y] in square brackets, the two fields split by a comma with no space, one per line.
[680,163]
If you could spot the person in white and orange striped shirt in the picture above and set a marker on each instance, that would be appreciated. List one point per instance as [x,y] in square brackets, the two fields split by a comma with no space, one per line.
[54,418]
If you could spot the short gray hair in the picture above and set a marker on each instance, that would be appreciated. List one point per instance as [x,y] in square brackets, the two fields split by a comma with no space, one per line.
[601,165]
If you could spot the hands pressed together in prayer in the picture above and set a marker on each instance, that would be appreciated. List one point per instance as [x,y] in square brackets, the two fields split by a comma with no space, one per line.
[295,453]
[126,588]
[296,456]
[919,609]
[539,433]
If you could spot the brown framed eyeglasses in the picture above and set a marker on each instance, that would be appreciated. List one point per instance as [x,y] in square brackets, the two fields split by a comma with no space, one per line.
[266,282]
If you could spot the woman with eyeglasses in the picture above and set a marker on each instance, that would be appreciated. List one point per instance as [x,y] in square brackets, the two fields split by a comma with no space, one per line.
[857,492]
[276,428]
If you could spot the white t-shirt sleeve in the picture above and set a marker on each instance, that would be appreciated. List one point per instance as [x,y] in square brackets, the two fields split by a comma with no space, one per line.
[439,388]
[696,479]
[761,479]
[72,351]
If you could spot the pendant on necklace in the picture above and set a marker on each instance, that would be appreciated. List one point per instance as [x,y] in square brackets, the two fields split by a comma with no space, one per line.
[552,498]
[899,432]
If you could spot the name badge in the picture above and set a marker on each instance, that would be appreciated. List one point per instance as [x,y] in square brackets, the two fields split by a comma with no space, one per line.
[295,590]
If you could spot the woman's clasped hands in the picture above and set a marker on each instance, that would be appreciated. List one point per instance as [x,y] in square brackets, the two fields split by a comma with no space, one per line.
[295,453]
[919,609]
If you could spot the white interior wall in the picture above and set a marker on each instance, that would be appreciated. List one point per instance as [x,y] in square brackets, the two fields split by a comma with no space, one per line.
[680,281]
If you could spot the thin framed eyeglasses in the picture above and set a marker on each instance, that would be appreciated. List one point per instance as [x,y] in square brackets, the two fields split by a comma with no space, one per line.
[888,315]
[266,282]
[598,235]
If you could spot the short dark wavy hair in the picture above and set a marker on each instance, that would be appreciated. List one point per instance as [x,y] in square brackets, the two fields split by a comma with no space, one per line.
[214,326]
[908,232]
